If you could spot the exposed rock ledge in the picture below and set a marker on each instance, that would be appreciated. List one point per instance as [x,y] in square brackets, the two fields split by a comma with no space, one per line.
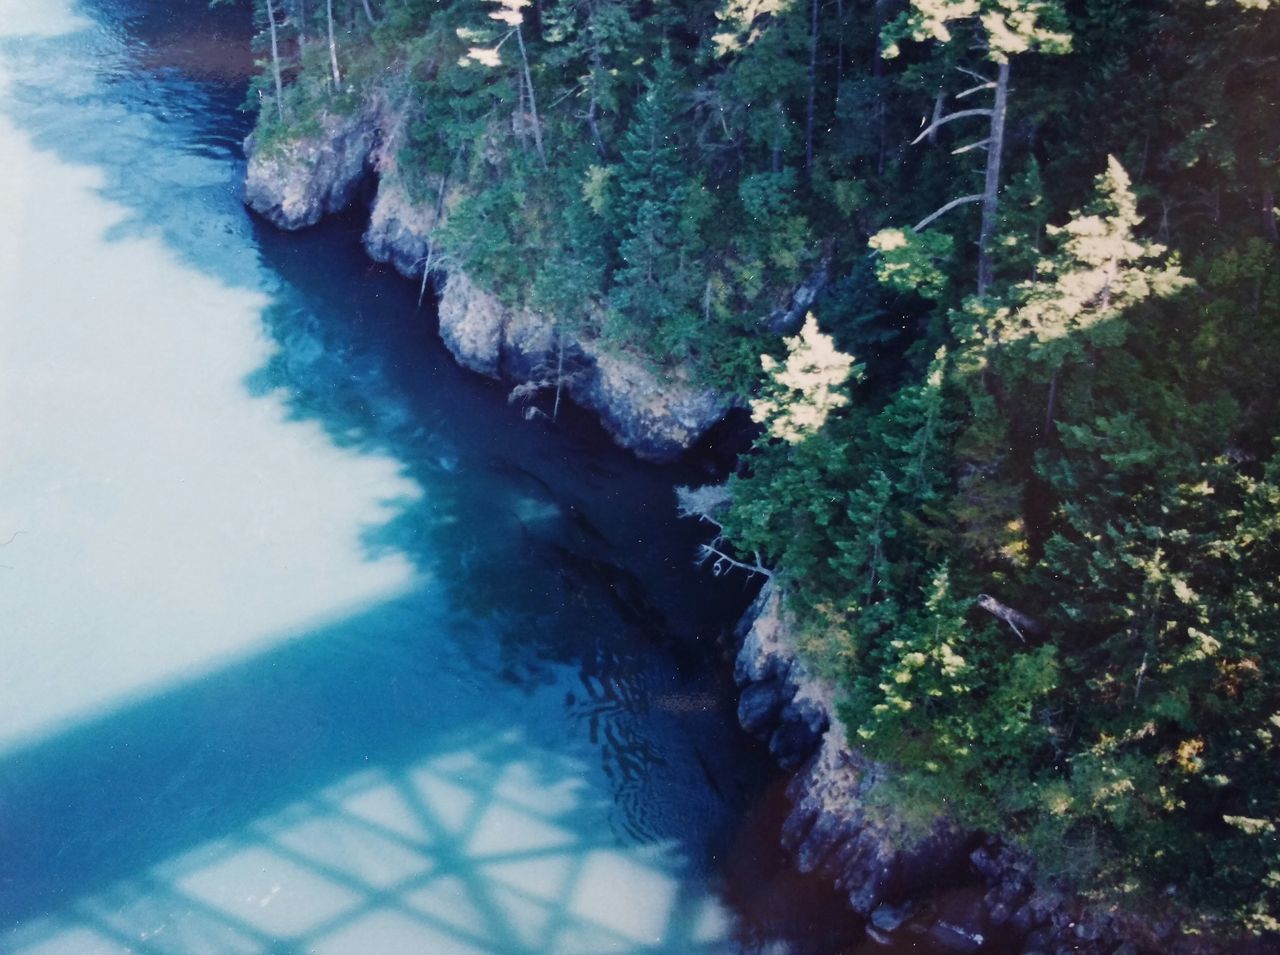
[297,183]
[887,877]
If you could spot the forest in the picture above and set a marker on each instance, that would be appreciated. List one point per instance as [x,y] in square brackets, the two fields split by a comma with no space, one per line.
[1017,472]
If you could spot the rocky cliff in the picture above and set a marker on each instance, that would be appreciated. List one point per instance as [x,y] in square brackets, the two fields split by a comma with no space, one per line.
[296,181]
[890,876]
[657,414]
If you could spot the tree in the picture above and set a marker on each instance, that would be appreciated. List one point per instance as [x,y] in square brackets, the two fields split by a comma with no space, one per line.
[1006,28]
[1100,270]
[267,12]
[805,389]
[601,36]
[657,211]
[510,13]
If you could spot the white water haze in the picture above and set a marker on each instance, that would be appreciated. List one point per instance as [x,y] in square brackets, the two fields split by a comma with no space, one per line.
[159,520]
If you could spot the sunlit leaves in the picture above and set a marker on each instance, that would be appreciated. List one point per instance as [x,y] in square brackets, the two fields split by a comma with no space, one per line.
[805,387]
[1010,27]
[912,261]
[743,21]
[1100,269]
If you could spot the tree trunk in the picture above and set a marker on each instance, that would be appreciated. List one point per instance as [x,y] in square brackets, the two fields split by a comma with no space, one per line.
[368,12]
[435,224]
[991,189]
[275,59]
[302,28]
[877,71]
[839,49]
[333,47]
[555,409]
[597,68]
[1053,397]
[936,119]
[1016,619]
[813,90]
[533,103]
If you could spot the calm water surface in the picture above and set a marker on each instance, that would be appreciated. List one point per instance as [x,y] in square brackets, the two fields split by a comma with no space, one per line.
[308,642]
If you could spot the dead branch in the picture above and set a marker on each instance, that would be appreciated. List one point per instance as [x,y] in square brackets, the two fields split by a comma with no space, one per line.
[947,208]
[702,503]
[989,85]
[721,562]
[949,118]
[1016,619]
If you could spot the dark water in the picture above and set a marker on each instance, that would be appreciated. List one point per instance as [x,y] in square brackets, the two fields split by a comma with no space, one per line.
[310,642]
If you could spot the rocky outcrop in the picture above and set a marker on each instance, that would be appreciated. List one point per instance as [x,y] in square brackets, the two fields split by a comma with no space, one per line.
[297,182]
[401,223]
[490,337]
[657,415]
[889,876]
[787,318]
[868,857]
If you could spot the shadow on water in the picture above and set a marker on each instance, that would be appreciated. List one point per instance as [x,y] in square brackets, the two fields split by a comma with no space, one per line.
[237,765]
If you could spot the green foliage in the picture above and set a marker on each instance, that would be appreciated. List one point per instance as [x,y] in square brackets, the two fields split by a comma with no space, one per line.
[1100,270]
[912,261]
[1080,454]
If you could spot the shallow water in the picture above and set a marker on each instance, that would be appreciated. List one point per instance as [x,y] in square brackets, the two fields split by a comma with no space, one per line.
[310,642]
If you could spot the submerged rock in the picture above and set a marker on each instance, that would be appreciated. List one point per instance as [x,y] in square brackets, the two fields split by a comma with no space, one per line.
[889,918]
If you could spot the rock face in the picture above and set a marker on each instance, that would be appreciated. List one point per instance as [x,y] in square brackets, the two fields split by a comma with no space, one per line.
[491,338]
[828,831]
[400,229]
[656,418]
[884,874]
[295,183]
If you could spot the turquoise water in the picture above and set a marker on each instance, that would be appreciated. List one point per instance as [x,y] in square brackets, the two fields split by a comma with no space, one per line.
[310,643]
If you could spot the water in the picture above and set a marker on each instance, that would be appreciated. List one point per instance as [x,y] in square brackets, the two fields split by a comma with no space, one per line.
[310,643]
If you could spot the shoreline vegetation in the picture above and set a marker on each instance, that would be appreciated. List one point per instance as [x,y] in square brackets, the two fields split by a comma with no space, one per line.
[998,280]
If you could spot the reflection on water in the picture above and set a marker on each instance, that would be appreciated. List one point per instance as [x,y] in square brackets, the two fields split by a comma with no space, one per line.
[310,642]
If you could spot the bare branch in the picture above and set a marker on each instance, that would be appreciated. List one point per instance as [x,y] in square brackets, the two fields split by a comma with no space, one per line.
[950,117]
[974,73]
[947,208]
[722,562]
[705,502]
[980,144]
[1142,673]
[976,89]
